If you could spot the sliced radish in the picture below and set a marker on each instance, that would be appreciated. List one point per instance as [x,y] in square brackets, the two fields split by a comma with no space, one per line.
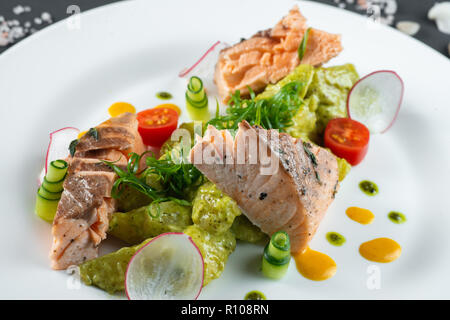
[58,146]
[375,100]
[206,62]
[168,267]
[204,68]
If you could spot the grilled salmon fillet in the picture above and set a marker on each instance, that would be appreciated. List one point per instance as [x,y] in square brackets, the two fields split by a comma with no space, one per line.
[270,55]
[118,133]
[291,192]
[86,206]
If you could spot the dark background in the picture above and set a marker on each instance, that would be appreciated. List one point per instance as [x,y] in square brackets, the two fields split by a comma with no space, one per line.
[414,10]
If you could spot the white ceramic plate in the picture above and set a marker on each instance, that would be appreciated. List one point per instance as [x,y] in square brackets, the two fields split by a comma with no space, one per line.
[130,50]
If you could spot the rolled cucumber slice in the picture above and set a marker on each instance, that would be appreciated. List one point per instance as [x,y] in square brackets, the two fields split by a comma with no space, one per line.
[46,208]
[48,194]
[57,170]
[53,186]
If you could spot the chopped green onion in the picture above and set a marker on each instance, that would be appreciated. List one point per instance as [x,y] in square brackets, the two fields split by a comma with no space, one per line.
[174,178]
[197,100]
[272,113]
[276,256]
[302,47]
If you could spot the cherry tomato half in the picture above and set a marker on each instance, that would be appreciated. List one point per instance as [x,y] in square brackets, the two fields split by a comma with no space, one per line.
[156,125]
[348,139]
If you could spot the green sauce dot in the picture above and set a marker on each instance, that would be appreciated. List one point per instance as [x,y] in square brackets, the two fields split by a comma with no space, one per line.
[368,187]
[164,95]
[335,238]
[255,295]
[397,217]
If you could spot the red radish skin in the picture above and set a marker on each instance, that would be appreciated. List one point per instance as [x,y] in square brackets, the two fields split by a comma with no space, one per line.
[401,95]
[50,143]
[157,237]
[185,72]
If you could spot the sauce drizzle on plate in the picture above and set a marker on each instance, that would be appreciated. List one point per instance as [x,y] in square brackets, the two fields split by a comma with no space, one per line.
[163,95]
[397,217]
[116,109]
[255,295]
[336,239]
[382,250]
[360,215]
[315,265]
[368,187]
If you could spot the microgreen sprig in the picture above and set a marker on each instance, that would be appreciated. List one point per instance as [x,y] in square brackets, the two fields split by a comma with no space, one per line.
[271,113]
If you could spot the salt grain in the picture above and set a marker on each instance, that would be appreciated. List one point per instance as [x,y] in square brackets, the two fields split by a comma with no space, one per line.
[391,7]
[17,10]
[45,16]
[440,12]
[409,27]
[12,30]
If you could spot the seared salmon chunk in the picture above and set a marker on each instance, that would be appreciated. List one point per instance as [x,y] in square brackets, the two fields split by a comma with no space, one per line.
[270,55]
[86,206]
[280,183]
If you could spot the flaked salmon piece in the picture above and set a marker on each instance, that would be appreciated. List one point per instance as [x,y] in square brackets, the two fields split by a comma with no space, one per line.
[270,55]
[91,164]
[287,184]
[101,154]
[84,211]
[119,133]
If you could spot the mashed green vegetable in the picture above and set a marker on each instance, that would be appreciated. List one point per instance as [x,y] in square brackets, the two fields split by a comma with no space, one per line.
[215,250]
[214,214]
[325,98]
[131,199]
[212,210]
[244,230]
[137,225]
[108,271]
[343,167]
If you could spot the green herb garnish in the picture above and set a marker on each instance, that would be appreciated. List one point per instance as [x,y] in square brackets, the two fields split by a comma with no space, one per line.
[302,47]
[175,177]
[133,178]
[271,113]
[72,147]
[306,146]
[311,155]
[93,132]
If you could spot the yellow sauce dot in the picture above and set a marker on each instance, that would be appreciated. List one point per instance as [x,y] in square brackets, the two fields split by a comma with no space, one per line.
[315,265]
[82,133]
[382,250]
[169,106]
[360,215]
[116,109]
